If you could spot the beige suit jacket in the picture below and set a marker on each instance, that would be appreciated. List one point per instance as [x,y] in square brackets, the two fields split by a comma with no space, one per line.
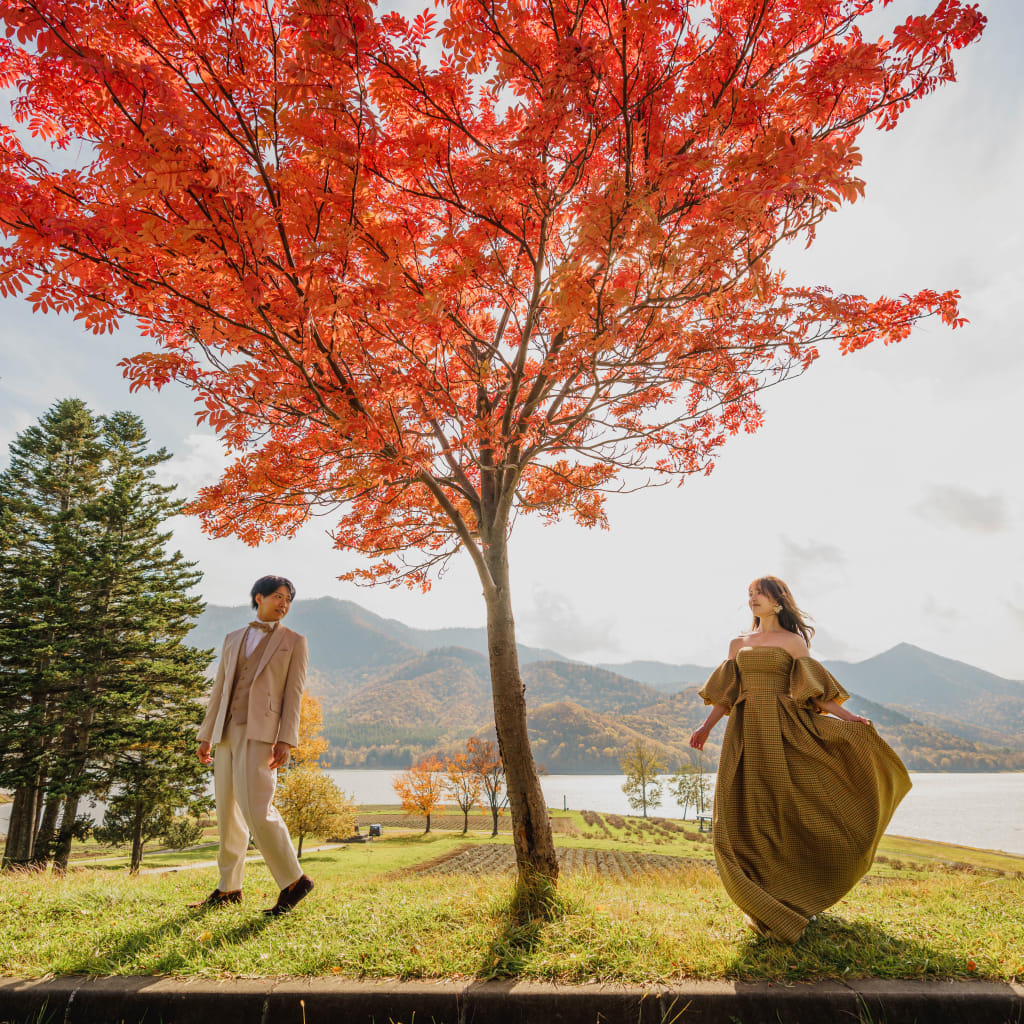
[276,695]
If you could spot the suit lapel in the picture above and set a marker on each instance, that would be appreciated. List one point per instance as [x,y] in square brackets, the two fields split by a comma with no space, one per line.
[268,652]
[234,645]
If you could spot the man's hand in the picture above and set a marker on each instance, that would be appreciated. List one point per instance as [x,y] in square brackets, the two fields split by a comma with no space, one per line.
[281,755]
[203,753]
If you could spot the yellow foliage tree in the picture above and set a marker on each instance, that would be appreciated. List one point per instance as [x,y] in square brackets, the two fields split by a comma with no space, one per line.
[310,803]
[311,722]
[642,765]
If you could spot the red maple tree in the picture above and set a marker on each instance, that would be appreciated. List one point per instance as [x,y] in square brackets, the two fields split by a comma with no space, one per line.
[433,293]
[462,782]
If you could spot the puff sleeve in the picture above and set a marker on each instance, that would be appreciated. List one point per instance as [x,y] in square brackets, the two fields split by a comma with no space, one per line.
[810,681]
[723,686]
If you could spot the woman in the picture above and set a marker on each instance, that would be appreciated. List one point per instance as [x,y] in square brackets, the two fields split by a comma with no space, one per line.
[805,789]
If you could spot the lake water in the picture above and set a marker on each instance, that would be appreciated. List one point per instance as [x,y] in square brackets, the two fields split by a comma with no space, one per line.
[983,810]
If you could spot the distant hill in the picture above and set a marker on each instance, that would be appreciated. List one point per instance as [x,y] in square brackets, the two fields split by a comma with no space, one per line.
[392,693]
[951,694]
[660,674]
[347,642]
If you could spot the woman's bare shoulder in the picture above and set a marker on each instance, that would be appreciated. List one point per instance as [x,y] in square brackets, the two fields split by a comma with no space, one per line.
[737,643]
[795,645]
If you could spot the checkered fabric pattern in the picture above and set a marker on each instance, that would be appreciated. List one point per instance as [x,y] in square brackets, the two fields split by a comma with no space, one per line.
[801,798]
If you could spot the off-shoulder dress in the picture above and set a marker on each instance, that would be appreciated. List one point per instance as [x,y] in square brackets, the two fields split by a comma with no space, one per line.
[801,798]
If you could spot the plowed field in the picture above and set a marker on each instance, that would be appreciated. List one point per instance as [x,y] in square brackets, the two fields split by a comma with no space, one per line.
[494,859]
[453,822]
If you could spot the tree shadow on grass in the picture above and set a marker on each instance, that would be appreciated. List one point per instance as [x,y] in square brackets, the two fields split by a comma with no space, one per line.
[319,857]
[832,947]
[120,951]
[524,916]
[118,945]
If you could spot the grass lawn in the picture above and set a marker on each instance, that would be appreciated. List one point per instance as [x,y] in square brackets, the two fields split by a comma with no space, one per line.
[373,916]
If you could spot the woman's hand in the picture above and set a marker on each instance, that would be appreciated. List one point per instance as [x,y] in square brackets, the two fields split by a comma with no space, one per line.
[700,737]
[838,711]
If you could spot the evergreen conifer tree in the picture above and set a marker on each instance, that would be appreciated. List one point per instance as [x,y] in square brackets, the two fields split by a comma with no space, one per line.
[134,726]
[123,690]
[47,495]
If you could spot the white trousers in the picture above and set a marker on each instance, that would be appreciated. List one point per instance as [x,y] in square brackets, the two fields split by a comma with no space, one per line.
[244,786]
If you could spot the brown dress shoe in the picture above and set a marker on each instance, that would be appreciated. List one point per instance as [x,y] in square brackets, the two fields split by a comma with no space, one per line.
[287,898]
[217,899]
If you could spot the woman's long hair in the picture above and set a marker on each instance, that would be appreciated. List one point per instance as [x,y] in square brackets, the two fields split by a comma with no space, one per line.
[791,617]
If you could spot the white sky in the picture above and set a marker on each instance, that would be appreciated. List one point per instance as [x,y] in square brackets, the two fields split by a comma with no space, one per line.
[886,486]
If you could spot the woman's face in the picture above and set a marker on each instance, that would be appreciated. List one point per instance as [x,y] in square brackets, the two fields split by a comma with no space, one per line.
[761,604]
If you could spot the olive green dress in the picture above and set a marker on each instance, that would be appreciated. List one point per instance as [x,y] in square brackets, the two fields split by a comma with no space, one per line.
[801,798]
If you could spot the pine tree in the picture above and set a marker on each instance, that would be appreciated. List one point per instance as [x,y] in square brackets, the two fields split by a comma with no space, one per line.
[47,497]
[134,720]
[121,692]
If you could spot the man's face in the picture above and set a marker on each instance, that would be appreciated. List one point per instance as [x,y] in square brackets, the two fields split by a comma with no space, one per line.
[273,607]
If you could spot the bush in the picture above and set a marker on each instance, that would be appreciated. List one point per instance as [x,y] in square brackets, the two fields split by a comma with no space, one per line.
[182,832]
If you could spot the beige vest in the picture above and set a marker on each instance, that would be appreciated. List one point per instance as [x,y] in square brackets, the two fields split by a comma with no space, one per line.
[245,673]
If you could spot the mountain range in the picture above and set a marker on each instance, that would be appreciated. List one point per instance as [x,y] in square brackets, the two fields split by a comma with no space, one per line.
[392,693]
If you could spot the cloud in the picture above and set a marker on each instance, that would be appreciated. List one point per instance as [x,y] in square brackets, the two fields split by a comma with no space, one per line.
[552,621]
[943,616]
[811,563]
[979,513]
[1015,606]
[826,644]
[201,463]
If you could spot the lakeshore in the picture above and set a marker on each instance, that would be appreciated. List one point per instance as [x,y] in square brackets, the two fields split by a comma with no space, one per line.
[984,810]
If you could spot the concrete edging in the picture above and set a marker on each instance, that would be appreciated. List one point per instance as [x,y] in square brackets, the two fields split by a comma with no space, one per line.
[134,999]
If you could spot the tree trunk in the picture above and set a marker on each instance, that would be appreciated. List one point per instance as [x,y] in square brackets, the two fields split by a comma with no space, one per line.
[140,815]
[21,828]
[43,848]
[82,735]
[465,821]
[427,829]
[494,816]
[536,858]
[299,853]
[62,850]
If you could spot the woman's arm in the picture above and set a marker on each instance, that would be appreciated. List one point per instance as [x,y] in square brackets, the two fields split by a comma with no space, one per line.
[700,736]
[840,712]
[718,711]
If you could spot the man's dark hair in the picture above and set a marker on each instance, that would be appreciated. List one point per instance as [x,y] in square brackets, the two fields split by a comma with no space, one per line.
[266,585]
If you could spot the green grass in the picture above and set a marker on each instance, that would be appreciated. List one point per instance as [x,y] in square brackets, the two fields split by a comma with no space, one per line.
[372,917]
[928,852]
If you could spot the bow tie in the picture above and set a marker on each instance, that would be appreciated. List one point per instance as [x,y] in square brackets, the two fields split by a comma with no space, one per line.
[263,627]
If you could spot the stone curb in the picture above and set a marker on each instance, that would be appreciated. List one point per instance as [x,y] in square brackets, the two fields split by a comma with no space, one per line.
[156,1000]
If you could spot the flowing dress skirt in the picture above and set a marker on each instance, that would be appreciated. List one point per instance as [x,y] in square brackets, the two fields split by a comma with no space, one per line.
[801,798]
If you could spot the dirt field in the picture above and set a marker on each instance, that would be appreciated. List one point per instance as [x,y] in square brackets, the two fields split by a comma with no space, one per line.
[495,859]
[453,822]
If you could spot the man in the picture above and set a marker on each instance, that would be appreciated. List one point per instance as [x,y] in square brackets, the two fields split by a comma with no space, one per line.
[253,719]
